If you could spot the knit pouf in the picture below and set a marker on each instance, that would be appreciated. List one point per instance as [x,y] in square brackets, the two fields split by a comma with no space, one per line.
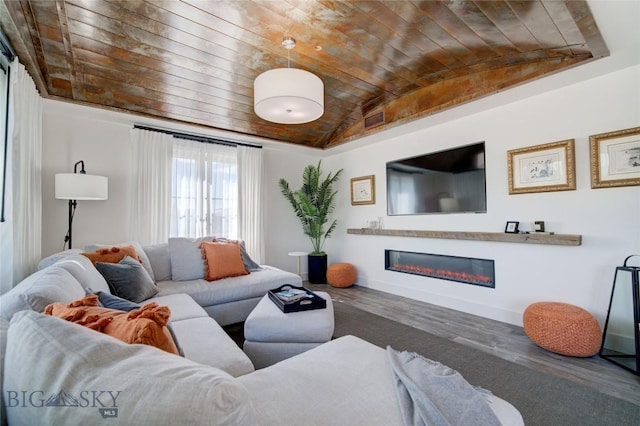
[562,328]
[341,275]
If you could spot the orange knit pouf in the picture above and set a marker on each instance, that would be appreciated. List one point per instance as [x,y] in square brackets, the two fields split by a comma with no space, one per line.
[562,328]
[341,275]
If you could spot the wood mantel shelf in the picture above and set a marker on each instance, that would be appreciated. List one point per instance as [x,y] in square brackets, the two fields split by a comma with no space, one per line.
[555,239]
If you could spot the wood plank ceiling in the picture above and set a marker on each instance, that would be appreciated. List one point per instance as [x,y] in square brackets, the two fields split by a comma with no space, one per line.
[194,61]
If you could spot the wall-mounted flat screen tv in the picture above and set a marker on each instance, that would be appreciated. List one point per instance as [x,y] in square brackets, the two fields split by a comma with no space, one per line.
[450,181]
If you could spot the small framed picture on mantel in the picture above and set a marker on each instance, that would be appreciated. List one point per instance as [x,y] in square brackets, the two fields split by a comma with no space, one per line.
[363,190]
[512,227]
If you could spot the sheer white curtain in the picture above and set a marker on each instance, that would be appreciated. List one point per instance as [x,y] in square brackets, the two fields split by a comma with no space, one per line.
[204,198]
[250,195]
[151,186]
[22,231]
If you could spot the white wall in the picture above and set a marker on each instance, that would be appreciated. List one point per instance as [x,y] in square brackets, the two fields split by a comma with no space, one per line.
[70,136]
[608,219]
[283,232]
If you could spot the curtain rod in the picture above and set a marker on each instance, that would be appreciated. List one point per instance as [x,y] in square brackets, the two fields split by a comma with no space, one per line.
[5,47]
[197,138]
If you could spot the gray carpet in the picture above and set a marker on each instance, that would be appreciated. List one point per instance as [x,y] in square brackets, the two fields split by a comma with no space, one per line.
[542,399]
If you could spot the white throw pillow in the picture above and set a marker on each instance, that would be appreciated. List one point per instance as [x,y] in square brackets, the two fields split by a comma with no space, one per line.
[186,258]
[57,372]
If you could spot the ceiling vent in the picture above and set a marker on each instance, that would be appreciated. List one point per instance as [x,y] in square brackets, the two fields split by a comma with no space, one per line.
[374,120]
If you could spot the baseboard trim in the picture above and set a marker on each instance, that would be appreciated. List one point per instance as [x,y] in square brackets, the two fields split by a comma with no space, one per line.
[462,305]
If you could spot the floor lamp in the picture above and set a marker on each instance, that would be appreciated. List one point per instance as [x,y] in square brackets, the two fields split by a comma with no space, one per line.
[79,186]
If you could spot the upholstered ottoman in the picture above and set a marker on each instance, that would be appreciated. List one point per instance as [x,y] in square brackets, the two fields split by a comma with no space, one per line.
[562,328]
[341,275]
[272,336]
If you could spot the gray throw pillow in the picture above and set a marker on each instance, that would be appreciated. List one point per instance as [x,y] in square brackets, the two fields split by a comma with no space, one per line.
[110,301]
[186,258]
[160,260]
[128,279]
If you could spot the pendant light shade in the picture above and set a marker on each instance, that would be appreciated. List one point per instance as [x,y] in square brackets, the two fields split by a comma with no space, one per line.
[288,95]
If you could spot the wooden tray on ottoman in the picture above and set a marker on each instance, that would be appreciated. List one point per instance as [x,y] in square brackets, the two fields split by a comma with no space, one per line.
[307,303]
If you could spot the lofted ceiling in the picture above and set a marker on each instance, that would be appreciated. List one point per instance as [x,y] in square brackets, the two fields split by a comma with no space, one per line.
[383,63]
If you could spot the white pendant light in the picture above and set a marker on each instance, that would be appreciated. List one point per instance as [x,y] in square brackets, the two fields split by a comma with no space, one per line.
[288,95]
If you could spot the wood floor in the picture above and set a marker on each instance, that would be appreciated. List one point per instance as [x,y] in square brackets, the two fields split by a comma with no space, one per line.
[500,339]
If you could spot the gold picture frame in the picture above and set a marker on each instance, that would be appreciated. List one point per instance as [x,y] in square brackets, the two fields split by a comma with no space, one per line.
[615,158]
[363,190]
[542,168]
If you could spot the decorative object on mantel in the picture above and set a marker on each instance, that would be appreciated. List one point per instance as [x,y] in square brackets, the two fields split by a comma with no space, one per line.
[363,190]
[288,95]
[615,158]
[313,203]
[532,238]
[79,186]
[542,168]
[375,224]
[512,227]
[621,335]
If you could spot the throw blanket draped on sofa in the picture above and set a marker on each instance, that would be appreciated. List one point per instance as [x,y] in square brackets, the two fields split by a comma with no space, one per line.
[430,393]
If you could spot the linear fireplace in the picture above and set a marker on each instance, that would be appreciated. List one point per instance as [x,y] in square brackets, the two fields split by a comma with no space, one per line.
[453,268]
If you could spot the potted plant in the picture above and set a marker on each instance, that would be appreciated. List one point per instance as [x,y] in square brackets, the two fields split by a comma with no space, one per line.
[313,203]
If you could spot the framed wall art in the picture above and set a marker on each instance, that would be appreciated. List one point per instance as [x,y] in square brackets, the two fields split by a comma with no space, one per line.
[542,168]
[615,158]
[363,190]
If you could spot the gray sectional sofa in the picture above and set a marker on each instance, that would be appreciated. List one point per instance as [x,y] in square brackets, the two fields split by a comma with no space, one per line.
[177,267]
[58,372]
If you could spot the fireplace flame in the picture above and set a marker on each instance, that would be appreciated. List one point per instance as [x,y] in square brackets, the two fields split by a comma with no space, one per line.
[444,274]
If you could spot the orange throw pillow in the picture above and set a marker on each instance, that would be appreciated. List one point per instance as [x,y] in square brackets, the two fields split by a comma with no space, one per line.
[222,260]
[112,255]
[147,325]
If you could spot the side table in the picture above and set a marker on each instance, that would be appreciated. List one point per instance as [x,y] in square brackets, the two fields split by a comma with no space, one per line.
[298,254]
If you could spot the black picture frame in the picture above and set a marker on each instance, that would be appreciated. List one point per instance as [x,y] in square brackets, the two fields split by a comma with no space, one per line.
[512,227]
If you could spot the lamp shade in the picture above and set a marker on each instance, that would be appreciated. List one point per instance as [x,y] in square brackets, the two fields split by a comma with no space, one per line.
[288,96]
[80,186]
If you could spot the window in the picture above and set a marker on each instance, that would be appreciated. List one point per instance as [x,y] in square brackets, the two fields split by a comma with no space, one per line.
[204,190]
